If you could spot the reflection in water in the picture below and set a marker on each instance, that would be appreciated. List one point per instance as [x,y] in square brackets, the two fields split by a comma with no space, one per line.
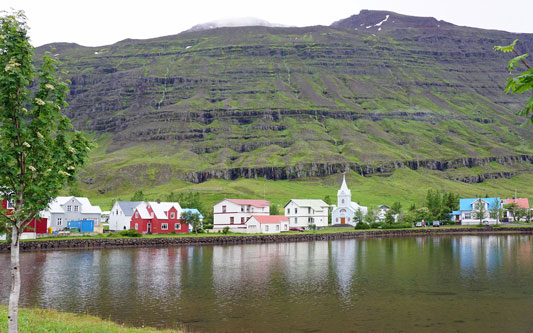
[438,283]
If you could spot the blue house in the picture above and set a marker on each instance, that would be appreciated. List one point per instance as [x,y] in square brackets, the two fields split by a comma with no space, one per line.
[469,207]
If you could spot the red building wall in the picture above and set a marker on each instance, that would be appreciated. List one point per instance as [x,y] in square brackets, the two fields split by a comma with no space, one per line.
[156,224]
[38,225]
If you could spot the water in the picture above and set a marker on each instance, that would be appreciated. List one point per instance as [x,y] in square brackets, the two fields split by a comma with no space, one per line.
[456,283]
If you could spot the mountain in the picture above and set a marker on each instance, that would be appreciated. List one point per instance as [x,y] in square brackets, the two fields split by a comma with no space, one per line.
[371,93]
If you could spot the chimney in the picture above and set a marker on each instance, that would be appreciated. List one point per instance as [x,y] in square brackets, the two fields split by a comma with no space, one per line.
[158,201]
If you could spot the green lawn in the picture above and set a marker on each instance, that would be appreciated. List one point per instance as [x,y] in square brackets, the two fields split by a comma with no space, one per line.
[38,320]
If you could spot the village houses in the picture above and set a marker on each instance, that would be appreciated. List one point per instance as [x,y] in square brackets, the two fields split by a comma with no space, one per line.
[121,214]
[62,210]
[468,209]
[158,218]
[302,213]
[234,213]
[267,224]
[519,203]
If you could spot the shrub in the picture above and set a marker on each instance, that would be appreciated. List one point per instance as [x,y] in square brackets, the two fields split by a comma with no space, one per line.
[112,235]
[225,230]
[312,227]
[130,233]
[362,225]
[173,232]
[375,225]
[397,226]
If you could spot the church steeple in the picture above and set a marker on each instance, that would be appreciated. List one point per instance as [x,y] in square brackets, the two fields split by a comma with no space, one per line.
[344,195]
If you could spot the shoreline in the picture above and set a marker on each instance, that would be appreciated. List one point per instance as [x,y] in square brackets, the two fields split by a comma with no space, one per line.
[100,243]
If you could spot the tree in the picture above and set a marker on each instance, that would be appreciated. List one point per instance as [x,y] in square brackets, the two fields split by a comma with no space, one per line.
[193,219]
[327,199]
[522,82]
[520,213]
[512,208]
[371,215]
[274,209]
[389,218]
[39,150]
[358,216]
[138,196]
[396,208]
[495,212]
[480,211]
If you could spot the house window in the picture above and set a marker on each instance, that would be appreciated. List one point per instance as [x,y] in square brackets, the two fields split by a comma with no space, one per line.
[295,210]
[468,216]
[342,200]
[277,227]
[9,205]
[266,227]
[164,226]
[242,220]
[59,221]
[231,220]
[285,227]
[172,215]
[76,208]
[223,209]
[177,226]
[136,226]
[348,219]
[242,209]
[337,219]
[288,211]
[69,208]
[136,215]
[309,210]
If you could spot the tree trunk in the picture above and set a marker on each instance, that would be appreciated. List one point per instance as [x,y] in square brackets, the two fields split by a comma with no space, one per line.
[14,295]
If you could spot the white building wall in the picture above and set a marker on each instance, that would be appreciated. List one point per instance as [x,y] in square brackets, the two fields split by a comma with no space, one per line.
[240,214]
[117,220]
[299,217]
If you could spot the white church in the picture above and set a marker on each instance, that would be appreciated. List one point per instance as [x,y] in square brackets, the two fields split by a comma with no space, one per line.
[346,208]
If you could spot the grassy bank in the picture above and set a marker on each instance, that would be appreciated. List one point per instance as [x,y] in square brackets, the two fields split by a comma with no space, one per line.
[38,320]
[232,234]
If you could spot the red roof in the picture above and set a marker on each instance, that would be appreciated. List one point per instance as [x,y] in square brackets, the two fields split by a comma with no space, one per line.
[255,203]
[270,218]
[521,202]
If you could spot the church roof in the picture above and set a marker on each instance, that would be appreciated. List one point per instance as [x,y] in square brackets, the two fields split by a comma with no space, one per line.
[344,188]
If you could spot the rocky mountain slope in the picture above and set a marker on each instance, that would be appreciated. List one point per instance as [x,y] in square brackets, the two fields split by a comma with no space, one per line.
[370,93]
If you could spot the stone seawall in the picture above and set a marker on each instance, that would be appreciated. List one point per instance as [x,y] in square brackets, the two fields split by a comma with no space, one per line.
[245,239]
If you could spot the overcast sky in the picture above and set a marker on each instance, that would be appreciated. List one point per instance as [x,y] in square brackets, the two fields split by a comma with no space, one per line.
[99,22]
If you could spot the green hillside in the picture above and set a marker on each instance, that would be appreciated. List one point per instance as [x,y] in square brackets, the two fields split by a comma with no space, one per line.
[405,104]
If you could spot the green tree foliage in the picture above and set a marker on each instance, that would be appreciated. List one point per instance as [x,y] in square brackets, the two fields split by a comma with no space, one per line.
[396,208]
[138,196]
[358,216]
[274,209]
[496,211]
[327,199]
[521,83]
[371,215]
[193,219]
[39,150]
[389,218]
[480,212]
[512,207]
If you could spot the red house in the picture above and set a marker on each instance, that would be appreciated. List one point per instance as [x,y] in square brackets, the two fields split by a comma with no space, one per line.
[36,225]
[158,218]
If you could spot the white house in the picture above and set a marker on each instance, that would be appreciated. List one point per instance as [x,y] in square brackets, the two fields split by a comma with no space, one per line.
[64,209]
[469,208]
[267,224]
[234,213]
[121,213]
[302,213]
[346,208]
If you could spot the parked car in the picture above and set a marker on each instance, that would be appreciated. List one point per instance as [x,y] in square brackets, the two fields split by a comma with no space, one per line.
[418,224]
[436,223]
[296,229]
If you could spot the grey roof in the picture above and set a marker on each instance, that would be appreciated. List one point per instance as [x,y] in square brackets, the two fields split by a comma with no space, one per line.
[128,207]
[316,204]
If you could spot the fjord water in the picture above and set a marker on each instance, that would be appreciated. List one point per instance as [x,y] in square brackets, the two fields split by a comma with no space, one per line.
[455,283]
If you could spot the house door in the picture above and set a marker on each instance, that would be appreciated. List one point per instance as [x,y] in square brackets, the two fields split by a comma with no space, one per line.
[149,228]
[343,220]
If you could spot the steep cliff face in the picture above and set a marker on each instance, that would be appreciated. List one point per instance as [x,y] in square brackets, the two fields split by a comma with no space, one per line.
[376,89]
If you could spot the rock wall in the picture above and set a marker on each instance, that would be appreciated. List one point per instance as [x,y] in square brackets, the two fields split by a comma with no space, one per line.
[386,168]
[245,239]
